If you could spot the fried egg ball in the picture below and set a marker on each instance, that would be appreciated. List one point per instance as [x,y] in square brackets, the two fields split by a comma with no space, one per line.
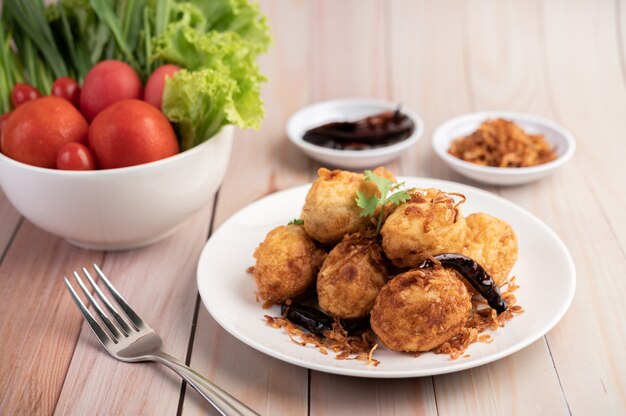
[420,310]
[330,210]
[492,243]
[287,262]
[352,276]
[428,224]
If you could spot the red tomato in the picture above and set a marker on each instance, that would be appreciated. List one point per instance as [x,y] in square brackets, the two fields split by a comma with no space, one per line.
[153,94]
[131,132]
[22,93]
[106,83]
[75,156]
[37,130]
[67,88]
[3,119]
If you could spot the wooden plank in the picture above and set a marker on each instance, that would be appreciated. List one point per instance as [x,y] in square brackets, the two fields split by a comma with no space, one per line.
[339,395]
[267,385]
[597,309]
[500,388]
[475,55]
[427,61]
[263,162]
[620,23]
[504,58]
[159,283]
[10,220]
[589,93]
[349,49]
[40,323]
[586,207]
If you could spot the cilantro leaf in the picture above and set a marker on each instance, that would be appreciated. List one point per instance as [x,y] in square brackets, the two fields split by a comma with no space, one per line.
[367,204]
[399,197]
[296,221]
[383,184]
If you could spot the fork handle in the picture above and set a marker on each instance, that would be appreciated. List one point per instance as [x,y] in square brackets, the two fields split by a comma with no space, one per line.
[226,404]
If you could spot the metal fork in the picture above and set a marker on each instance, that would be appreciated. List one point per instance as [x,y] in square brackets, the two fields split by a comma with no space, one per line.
[131,340]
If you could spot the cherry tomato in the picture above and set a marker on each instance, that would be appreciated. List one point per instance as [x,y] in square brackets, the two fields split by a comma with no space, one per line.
[22,93]
[153,93]
[67,88]
[106,83]
[75,156]
[3,119]
[38,129]
[131,132]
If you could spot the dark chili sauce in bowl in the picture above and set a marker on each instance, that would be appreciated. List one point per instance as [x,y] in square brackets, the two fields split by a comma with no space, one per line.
[379,130]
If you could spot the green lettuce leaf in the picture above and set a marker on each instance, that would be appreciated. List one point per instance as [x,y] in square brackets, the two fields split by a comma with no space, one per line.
[202,102]
[239,16]
[183,45]
[222,82]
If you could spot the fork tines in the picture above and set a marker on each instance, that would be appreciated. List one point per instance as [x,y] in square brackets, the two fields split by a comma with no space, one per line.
[119,327]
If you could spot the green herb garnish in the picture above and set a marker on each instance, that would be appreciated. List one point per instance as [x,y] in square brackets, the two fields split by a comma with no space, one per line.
[296,221]
[369,204]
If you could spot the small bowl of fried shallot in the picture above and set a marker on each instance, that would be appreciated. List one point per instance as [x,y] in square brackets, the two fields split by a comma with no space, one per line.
[503,148]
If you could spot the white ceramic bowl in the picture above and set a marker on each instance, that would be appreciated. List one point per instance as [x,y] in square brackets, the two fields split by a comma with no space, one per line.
[350,109]
[121,208]
[559,137]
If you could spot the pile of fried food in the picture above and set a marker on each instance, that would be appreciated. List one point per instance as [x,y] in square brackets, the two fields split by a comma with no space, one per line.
[368,261]
[502,143]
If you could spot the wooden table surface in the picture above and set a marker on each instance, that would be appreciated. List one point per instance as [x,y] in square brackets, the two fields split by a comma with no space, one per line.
[565,60]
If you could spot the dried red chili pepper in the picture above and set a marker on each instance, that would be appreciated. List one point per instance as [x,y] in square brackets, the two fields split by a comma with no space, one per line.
[375,131]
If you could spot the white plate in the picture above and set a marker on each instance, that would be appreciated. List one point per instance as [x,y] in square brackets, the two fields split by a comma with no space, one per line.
[545,272]
[349,109]
[562,140]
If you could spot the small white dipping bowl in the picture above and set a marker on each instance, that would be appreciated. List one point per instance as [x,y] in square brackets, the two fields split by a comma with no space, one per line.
[559,137]
[117,209]
[350,109]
